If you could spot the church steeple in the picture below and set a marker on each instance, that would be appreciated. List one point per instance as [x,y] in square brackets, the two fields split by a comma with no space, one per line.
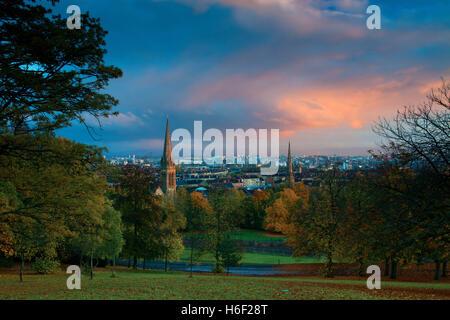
[167,153]
[168,171]
[290,171]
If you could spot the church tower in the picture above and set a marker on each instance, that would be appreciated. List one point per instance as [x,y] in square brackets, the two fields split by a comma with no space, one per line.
[168,171]
[290,171]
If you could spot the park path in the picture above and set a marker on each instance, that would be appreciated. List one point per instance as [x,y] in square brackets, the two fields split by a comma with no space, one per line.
[244,269]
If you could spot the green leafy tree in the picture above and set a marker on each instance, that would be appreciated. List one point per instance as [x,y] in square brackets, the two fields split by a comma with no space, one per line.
[224,218]
[230,253]
[254,210]
[49,199]
[141,213]
[50,75]
[173,222]
[111,234]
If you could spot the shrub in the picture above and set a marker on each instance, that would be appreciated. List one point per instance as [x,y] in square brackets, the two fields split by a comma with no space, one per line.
[45,265]
[218,269]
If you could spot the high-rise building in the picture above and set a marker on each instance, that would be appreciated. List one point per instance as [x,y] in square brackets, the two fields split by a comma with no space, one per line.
[168,170]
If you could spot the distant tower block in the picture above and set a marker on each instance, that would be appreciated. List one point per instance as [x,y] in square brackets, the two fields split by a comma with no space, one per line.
[290,171]
[168,170]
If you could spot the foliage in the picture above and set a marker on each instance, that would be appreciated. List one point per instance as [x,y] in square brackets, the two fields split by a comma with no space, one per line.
[151,224]
[416,156]
[253,208]
[51,189]
[173,222]
[223,219]
[45,265]
[197,210]
[50,75]
[218,268]
[312,219]
[230,253]
[49,200]
[111,233]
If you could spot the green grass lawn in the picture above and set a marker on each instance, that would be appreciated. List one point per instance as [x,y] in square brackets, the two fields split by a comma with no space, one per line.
[255,235]
[256,258]
[159,285]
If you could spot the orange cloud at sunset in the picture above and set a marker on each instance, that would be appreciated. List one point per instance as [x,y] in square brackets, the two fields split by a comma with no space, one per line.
[319,103]
[354,104]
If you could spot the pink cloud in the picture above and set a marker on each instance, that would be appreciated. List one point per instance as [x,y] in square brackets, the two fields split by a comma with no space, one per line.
[324,102]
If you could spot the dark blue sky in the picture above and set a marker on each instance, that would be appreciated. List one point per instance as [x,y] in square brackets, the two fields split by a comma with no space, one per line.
[310,68]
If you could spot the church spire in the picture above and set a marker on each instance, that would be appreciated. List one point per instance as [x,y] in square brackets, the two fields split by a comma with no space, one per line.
[168,170]
[167,154]
[290,171]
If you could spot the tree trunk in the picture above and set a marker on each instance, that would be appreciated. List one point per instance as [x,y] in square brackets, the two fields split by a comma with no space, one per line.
[21,268]
[386,266]
[135,238]
[113,267]
[81,259]
[329,265]
[361,271]
[92,264]
[218,239]
[437,273]
[165,260]
[393,269]
[444,269]
[129,262]
[192,254]
[143,266]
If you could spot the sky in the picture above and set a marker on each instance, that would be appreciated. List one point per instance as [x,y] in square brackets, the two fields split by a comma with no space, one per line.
[310,68]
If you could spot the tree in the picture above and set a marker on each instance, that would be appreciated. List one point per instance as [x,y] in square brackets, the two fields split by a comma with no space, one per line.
[416,143]
[418,135]
[9,201]
[311,218]
[230,253]
[173,222]
[49,199]
[362,217]
[28,238]
[197,212]
[50,75]
[254,209]
[223,219]
[88,241]
[111,234]
[141,212]
[279,216]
